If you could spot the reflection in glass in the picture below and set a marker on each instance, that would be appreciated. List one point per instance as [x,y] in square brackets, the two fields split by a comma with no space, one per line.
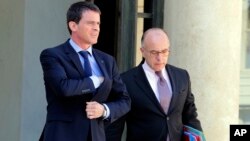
[248,51]
[246,33]
[248,14]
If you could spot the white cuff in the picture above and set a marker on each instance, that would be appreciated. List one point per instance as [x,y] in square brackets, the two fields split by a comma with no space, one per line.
[106,112]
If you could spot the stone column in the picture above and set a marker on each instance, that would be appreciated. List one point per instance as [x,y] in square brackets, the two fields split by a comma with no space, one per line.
[11,56]
[45,26]
[205,39]
[27,27]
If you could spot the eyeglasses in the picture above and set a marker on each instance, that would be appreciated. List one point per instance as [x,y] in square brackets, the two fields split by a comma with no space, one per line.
[155,53]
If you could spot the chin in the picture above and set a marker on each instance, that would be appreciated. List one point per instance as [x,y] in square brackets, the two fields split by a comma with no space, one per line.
[157,69]
[94,42]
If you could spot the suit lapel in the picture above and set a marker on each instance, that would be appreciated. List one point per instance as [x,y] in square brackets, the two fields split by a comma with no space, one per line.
[100,63]
[74,57]
[173,82]
[142,82]
[104,89]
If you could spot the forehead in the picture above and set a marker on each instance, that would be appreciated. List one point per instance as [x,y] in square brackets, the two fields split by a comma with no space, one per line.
[89,14]
[156,41]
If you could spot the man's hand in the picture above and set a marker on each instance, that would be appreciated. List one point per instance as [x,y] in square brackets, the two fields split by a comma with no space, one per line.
[94,110]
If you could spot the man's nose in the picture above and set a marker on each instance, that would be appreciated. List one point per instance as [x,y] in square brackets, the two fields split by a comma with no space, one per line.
[158,56]
[96,27]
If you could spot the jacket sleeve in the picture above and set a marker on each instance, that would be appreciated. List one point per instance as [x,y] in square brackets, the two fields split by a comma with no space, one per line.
[57,79]
[119,100]
[189,115]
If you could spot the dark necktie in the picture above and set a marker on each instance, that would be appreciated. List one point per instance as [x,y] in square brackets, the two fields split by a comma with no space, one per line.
[87,67]
[164,92]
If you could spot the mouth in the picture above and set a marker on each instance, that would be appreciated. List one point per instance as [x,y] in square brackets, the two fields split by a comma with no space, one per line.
[95,35]
[158,64]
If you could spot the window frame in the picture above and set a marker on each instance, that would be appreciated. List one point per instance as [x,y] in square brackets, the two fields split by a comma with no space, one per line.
[127,28]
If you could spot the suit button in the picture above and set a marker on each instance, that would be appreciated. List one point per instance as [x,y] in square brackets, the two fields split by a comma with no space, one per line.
[167,118]
[85,91]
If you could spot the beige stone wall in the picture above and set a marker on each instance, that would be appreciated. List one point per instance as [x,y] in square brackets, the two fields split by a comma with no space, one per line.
[205,39]
[11,55]
[27,27]
[139,32]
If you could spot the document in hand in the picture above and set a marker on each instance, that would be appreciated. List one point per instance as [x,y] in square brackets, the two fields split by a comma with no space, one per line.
[192,134]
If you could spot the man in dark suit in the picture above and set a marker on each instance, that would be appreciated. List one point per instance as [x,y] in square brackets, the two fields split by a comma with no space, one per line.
[161,98]
[83,85]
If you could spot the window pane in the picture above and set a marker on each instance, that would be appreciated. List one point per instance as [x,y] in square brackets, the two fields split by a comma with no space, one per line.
[248,51]
[246,34]
[140,8]
[244,113]
[248,14]
[139,31]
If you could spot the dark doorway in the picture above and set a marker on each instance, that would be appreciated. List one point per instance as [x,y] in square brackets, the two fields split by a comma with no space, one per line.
[118,33]
[108,29]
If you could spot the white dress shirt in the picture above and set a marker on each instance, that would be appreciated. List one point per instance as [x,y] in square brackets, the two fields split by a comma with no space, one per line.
[153,78]
[97,77]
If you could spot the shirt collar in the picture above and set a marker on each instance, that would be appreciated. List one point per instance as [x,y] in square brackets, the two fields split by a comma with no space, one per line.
[150,70]
[147,67]
[78,49]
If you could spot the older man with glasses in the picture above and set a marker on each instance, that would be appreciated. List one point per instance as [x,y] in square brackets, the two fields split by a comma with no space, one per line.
[162,101]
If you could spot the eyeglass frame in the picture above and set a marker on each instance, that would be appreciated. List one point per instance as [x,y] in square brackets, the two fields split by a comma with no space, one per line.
[155,53]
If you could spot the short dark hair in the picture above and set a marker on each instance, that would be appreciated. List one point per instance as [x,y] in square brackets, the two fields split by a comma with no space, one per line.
[75,11]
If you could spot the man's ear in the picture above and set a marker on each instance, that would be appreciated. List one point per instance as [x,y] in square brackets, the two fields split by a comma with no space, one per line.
[72,26]
[142,49]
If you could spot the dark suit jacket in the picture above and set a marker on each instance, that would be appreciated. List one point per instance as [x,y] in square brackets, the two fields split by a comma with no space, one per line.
[67,90]
[147,121]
